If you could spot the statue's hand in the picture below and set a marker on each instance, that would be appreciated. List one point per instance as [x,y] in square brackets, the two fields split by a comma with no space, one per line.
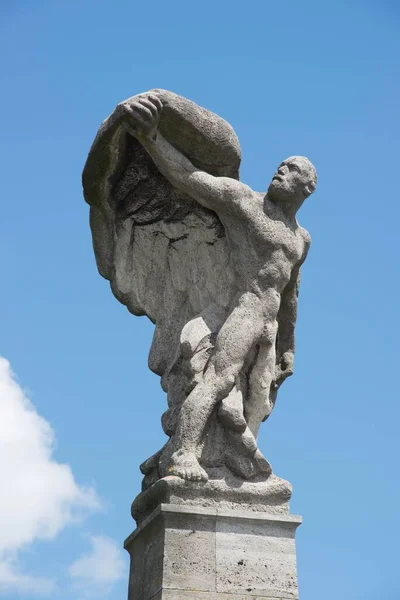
[141,114]
[284,369]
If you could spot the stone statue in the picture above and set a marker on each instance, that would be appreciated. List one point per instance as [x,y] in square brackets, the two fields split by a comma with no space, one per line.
[212,263]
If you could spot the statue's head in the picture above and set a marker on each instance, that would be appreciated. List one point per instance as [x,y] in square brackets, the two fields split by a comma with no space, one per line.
[294,180]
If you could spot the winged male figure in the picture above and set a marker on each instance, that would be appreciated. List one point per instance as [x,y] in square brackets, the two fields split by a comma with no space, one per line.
[267,248]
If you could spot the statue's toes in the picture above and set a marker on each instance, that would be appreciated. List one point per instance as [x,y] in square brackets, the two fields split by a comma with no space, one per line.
[196,474]
[203,475]
[187,467]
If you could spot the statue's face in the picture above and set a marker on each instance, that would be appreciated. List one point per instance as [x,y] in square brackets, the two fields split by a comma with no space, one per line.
[294,180]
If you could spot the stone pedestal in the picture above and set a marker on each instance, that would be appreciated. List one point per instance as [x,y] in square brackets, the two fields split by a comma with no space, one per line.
[188,552]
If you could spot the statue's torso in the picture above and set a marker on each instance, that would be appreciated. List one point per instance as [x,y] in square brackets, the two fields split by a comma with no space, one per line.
[264,246]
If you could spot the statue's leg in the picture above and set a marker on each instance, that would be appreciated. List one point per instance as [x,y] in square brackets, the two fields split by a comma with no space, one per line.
[259,404]
[241,330]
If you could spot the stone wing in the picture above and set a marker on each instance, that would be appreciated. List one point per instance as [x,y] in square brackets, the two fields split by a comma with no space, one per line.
[165,256]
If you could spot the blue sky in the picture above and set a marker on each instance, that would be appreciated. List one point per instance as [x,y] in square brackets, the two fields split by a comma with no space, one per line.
[313,78]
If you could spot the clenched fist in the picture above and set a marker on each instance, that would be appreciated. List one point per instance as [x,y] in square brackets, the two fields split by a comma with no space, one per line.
[141,114]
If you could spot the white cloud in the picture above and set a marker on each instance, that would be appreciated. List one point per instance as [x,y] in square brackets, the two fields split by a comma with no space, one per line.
[13,580]
[39,496]
[95,573]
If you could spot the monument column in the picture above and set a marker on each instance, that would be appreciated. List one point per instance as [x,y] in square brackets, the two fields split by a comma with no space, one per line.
[207,541]
[185,553]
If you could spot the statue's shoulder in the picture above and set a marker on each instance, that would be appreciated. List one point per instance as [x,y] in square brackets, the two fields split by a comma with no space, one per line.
[240,197]
[305,236]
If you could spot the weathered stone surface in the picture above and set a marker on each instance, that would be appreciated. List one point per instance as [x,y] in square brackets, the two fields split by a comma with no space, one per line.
[223,491]
[215,554]
[212,263]
[216,267]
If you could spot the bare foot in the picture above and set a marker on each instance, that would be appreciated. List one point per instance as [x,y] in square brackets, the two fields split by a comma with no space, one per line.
[185,465]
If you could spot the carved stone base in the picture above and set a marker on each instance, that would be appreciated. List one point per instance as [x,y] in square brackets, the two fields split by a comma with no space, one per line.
[223,491]
[190,552]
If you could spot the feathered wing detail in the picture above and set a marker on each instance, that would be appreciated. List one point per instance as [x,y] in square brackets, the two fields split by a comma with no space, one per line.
[165,255]
[170,259]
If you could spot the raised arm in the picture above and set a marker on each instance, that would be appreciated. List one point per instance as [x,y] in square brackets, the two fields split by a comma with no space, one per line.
[140,116]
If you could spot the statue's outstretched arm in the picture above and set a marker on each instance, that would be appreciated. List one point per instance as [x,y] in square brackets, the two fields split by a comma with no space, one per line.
[212,192]
[141,119]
